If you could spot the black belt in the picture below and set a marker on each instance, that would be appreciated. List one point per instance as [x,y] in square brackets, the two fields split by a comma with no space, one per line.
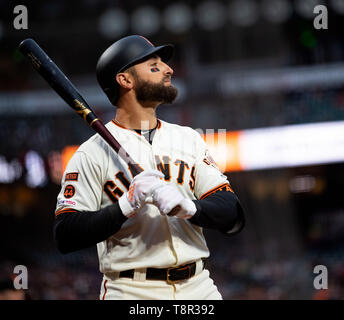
[170,275]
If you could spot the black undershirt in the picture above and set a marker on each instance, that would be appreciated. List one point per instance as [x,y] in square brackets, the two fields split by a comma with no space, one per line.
[148,134]
[74,231]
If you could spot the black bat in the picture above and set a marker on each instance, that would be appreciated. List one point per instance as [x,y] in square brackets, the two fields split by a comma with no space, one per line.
[67,91]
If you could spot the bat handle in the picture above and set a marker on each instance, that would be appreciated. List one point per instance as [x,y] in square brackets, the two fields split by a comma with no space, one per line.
[174,211]
[99,127]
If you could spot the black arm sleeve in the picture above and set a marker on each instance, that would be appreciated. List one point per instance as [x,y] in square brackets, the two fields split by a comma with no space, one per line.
[78,230]
[221,211]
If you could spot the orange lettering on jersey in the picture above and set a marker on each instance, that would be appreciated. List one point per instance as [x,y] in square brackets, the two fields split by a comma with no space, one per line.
[69,191]
[192,179]
[182,165]
[164,166]
[111,188]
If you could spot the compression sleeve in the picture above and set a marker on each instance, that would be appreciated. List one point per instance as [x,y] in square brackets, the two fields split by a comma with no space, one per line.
[221,211]
[75,230]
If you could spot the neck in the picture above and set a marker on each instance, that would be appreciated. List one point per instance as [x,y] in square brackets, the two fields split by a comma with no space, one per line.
[135,116]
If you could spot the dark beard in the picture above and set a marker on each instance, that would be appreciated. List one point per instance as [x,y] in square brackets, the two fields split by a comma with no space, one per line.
[149,91]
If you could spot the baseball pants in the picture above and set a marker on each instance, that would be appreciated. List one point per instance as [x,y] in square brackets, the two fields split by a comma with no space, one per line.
[199,287]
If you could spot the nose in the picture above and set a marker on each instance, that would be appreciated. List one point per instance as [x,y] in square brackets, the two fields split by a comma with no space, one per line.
[168,70]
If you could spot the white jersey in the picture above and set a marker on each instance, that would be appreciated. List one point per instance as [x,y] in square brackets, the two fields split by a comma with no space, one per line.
[96,177]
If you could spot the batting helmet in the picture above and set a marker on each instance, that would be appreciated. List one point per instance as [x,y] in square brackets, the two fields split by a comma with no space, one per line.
[123,54]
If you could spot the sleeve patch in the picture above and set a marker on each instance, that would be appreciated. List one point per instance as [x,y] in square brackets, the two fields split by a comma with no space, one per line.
[72,176]
[209,160]
[69,191]
[63,202]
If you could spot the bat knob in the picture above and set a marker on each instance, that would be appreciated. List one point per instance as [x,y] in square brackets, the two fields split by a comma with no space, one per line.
[174,211]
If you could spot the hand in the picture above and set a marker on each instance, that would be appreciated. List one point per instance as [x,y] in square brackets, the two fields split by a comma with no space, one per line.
[140,189]
[166,197]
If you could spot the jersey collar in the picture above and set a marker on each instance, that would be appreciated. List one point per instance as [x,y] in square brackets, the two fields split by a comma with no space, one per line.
[119,125]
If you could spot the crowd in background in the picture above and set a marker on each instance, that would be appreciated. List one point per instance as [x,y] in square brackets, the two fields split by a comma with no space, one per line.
[242,267]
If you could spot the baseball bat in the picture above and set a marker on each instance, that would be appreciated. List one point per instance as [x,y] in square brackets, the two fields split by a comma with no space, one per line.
[68,92]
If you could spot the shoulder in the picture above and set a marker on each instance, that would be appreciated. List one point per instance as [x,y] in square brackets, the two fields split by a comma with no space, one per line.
[95,148]
[184,130]
[185,133]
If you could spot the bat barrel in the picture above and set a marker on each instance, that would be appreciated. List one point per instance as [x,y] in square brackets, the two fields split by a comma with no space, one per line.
[56,79]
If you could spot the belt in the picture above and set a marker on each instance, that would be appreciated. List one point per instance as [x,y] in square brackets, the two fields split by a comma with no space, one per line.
[170,275]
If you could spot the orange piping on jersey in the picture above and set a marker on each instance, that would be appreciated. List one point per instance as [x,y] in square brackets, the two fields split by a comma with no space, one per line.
[105,292]
[211,191]
[118,125]
[64,211]
[158,126]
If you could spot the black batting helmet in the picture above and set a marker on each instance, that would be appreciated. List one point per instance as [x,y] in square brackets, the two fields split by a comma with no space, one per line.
[123,54]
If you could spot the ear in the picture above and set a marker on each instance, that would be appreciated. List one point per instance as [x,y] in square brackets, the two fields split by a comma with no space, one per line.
[125,80]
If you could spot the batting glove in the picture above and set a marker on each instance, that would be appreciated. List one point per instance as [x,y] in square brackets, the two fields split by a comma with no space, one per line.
[166,197]
[140,189]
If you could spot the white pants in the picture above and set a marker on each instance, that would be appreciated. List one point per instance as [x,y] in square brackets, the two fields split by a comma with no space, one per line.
[199,287]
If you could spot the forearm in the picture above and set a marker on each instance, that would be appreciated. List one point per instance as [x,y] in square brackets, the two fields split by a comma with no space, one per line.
[79,230]
[221,211]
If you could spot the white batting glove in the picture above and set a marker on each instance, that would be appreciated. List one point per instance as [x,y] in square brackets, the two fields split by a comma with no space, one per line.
[166,197]
[140,189]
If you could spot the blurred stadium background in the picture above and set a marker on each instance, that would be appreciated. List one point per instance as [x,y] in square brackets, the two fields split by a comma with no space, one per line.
[257,69]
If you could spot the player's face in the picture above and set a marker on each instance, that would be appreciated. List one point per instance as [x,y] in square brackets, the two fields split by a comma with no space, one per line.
[153,81]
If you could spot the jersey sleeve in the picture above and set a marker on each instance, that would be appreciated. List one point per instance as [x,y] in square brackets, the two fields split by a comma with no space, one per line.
[208,177]
[81,187]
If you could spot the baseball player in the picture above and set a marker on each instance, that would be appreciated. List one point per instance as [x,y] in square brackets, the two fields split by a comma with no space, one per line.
[144,251]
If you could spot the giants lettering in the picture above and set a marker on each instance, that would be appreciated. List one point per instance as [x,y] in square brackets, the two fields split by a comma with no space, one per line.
[112,190]
[182,165]
[165,167]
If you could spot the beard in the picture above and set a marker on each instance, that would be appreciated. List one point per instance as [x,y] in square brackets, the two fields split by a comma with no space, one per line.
[149,91]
